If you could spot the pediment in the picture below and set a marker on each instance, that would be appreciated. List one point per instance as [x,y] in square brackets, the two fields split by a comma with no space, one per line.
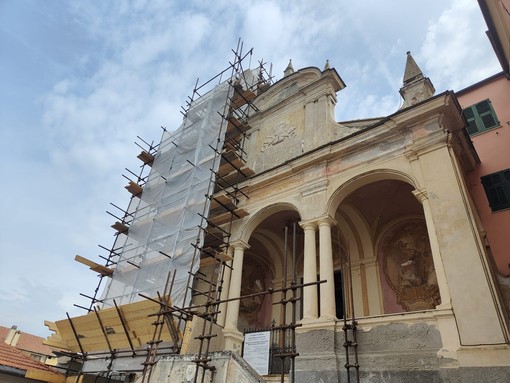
[287,87]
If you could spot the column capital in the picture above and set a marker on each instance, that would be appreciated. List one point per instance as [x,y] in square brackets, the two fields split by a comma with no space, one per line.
[420,194]
[326,220]
[308,224]
[239,244]
[317,222]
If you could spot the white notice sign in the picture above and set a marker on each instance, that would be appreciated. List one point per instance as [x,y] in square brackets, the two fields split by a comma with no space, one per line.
[256,351]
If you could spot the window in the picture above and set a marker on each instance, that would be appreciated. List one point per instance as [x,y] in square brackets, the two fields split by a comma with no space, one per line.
[497,188]
[480,117]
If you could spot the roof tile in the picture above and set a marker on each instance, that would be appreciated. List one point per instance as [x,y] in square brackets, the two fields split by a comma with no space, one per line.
[12,357]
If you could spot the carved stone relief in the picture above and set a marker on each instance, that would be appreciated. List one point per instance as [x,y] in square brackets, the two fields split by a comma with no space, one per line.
[280,145]
[408,266]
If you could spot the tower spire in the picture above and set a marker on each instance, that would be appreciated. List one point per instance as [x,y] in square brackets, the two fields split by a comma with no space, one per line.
[416,87]
[412,70]
[289,70]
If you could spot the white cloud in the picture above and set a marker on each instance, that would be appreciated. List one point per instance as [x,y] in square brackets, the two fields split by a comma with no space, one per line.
[456,51]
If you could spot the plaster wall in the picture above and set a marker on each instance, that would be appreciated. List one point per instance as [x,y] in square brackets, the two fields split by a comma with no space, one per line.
[461,251]
[396,349]
[492,148]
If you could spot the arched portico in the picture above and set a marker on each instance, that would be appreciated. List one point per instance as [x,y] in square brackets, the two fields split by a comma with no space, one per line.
[262,260]
[361,180]
[363,207]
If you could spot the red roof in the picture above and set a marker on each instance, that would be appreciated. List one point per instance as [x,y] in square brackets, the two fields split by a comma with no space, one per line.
[12,357]
[28,342]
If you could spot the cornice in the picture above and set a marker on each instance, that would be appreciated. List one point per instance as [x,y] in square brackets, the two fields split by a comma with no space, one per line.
[392,129]
[326,83]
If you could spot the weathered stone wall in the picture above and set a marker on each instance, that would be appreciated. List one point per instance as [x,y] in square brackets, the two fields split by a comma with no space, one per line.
[229,368]
[396,353]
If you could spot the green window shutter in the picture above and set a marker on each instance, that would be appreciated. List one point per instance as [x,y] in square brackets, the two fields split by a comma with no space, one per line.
[480,117]
[497,189]
[487,114]
[469,114]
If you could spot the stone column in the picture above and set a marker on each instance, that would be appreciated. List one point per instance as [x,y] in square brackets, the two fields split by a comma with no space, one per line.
[310,310]
[444,291]
[233,337]
[372,286]
[224,289]
[328,307]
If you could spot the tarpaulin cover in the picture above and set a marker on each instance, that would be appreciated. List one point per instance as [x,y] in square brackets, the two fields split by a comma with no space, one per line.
[166,216]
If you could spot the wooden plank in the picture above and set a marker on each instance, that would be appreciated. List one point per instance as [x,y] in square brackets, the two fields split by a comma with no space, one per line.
[139,323]
[222,209]
[120,227]
[103,270]
[235,176]
[219,199]
[212,242]
[241,97]
[208,261]
[131,311]
[232,164]
[134,188]
[220,219]
[236,127]
[146,158]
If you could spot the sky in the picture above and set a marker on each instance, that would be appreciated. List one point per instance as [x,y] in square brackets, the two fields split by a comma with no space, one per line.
[80,80]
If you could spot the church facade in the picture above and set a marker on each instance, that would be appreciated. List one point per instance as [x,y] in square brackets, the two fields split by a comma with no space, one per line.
[372,250]
[387,197]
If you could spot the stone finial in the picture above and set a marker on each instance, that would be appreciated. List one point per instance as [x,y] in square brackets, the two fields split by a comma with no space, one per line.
[289,70]
[327,65]
[416,87]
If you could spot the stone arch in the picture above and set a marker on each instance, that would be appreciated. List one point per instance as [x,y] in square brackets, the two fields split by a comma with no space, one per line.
[263,265]
[364,179]
[360,217]
[261,215]
[351,217]
[271,241]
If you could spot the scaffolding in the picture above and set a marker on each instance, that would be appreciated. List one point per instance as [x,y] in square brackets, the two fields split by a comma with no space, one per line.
[171,250]
[183,201]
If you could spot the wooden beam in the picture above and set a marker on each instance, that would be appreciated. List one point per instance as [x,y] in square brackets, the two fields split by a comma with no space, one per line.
[54,340]
[103,270]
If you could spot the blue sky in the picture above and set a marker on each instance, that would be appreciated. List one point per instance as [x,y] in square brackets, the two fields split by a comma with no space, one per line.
[79,80]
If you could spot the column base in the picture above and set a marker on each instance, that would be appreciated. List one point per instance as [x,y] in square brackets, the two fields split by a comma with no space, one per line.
[233,340]
[308,319]
[449,334]
[327,318]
